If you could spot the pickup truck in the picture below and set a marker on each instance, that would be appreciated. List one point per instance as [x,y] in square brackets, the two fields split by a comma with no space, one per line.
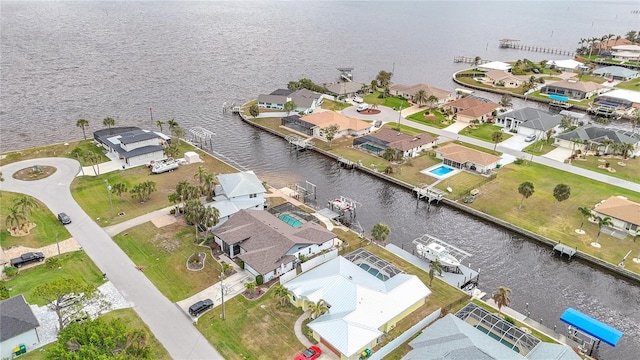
[27,258]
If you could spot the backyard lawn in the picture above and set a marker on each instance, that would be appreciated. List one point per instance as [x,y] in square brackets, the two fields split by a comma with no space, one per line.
[461,184]
[74,265]
[484,132]
[390,101]
[47,225]
[439,122]
[334,105]
[164,253]
[57,150]
[630,85]
[629,171]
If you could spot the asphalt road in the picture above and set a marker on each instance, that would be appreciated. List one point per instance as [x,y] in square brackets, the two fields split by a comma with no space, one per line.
[167,322]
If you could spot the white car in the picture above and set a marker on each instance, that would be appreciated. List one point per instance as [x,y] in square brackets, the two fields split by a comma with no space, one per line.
[362,107]
[358,100]
[530,138]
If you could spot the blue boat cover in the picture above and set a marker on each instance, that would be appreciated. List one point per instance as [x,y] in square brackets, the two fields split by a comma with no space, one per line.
[558,97]
[591,326]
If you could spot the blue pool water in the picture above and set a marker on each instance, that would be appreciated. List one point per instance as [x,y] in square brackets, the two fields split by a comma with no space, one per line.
[372,148]
[441,170]
[290,220]
[374,272]
[497,338]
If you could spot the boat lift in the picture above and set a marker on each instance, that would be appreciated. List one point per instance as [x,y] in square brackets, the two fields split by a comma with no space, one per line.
[457,253]
[345,208]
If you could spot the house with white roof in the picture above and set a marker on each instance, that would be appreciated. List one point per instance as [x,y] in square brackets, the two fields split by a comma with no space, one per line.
[619,98]
[134,145]
[617,73]
[495,65]
[567,65]
[270,246]
[238,191]
[361,306]
[624,213]
[626,52]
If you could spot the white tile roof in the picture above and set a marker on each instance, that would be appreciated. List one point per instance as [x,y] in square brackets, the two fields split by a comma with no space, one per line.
[240,184]
[495,65]
[360,303]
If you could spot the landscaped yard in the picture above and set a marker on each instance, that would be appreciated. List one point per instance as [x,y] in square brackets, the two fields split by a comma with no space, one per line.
[543,215]
[535,148]
[57,150]
[164,252]
[629,171]
[74,265]
[334,105]
[484,132]
[390,101]
[47,225]
[436,119]
[461,184]
[630,85]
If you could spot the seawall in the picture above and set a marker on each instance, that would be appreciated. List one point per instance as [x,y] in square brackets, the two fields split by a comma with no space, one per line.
[606,266]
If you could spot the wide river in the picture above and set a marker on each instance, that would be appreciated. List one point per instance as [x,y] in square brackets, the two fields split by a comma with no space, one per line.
[61,61]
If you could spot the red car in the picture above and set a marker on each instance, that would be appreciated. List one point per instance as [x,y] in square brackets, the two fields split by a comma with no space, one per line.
[309,354]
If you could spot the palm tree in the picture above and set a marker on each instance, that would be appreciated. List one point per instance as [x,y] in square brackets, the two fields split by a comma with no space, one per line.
[526,189]
[626,148]
[476,61]
[496,137]
[195,213]
[82,123]
[119,189]
[226,268]
[561,192]
[160,123]
[585,212]
[380,232]
[172,125]
[420,97]
[634,121]
[318,308]
[384,78]
[109,122]
[14,218]
[26,204]
[374,85]
[250,286]
[211,217]
[602,221]
[505,101]
[606,142]
[282,293]
[434,267]
[174,198]
[433,100]
[364,88]
[208,182]
[631,36]
[501,298]
[200,173]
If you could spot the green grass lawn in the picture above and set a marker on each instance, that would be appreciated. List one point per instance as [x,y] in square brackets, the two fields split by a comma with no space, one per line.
[391,102]
[47,225]
[75,265]
[405,129]
[630,85]
[461,184]
[91,191]
[57,150]
[131,320]
[334,105]
[594,78]
[630,171]
[436,119]
[539,147]
[164,253]
[484,132]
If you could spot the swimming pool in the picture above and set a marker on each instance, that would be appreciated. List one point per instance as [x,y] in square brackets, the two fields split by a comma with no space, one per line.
[441,170]
[371,148]
[497,338]
[373,271]
[290,220]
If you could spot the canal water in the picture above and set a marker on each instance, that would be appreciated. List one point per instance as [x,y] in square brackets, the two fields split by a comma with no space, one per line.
[62,61]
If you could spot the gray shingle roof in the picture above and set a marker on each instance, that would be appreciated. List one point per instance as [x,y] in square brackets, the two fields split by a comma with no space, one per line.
[533,118]
[137,136]
[272,99]
[598,134]
[16,318]
[615,71]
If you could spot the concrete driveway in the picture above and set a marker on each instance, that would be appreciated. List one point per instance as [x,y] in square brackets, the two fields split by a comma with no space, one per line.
[386,114]
[558,154]
[167,322]
[516,142]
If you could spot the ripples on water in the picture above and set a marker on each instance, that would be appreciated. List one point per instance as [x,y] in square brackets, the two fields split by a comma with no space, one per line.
[62,61]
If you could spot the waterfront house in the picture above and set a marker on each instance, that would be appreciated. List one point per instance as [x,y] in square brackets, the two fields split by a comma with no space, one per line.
[19,326]
[470,108]
[305,100]
[502,78]
[269,246]
[567,65]
[609,44]
[617,73]
[624,213]
[133,145]
[345,88]
[591,137]
[621,98]
[362,307]
[574,89]
[346,126]
[537,120]
[407,145]
[495,65]
[409,92]
[626,52]
[461,157]
[237,191]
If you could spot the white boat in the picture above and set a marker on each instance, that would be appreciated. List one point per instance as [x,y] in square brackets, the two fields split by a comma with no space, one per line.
[159,167]
[433,251]
[339,204]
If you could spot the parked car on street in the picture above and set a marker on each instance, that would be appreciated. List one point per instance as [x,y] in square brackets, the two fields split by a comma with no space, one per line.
[200,307]
[27,258]
[64,218]
[313,352]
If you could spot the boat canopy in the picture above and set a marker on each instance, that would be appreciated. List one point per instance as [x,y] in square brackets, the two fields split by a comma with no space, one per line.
[591,326]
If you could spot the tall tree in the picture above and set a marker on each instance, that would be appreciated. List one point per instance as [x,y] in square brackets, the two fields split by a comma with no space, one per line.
[433,101]
[172,125]
[14,217]
[211,217]
[434,267]
[160,123]
[26,204]
[194,213]
[82,123]
[586,213]
[282,293]
[476,61]
[59,293]
[626,149]
[374,85]
[389,154]
[109,122]
[506,100]
[420,97]
[330,133]
[119,189]
[384,78]
[380,232]
[208,183]
[254,110]
[201,171]
[602,222]
[561,192]
[497,137]
[526,189]
[290,106]
[501,298]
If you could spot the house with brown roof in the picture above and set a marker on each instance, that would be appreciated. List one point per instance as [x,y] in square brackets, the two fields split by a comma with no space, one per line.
[574,89]
[269,245]
[410,91]
[502,78]
[468,108]
[461,157]
[346,125]
[409,145]
[624,213]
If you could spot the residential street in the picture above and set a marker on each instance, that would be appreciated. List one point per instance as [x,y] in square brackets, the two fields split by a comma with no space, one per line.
[167,322]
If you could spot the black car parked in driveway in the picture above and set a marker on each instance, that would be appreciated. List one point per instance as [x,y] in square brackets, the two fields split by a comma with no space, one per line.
[64,218]
[27,258]
[200,307]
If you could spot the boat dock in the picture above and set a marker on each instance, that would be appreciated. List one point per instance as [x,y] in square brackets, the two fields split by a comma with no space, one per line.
[469,60]
[298,143]
[429,193]
[514,44]
[347,164]
[564,249]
